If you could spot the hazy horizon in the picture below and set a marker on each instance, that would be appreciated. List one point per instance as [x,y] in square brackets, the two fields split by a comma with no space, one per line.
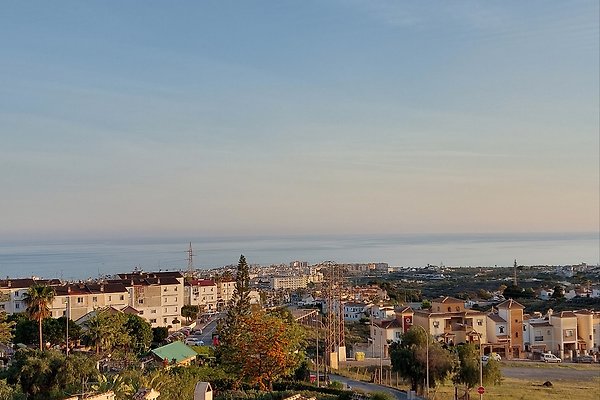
[257,118]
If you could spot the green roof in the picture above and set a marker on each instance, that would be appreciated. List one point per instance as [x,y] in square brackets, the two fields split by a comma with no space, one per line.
[176,350]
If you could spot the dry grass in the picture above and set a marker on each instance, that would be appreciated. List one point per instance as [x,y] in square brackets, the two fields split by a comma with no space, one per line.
[522,389]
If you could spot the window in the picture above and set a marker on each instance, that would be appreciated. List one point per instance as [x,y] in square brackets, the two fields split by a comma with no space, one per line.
[109,298]
[501,329]
[449,309]
[17,305]
[141,301]
[480,322]
[152,311]
[165,320]
[175,309]
[516,334]
[175,288]
[95,299]
[164,290]
[80,299]
[121,297]
[436,324]
[568,332]
[142,312]
[517,321]
[524,328]
[153,321]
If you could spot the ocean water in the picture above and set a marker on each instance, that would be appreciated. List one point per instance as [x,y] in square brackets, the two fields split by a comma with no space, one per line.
[92,258]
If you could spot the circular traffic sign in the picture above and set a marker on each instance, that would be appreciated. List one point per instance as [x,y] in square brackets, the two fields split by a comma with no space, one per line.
[481,390]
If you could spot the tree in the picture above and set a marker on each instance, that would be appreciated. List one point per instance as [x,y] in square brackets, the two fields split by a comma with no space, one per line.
[189,311]
[49,374]
[38,299]
[467,370]
[55,330]
[267,349]
[140,333]
[159,334]
[5,328]
[558,293]
[233,325]
[409,358]
[492,373]
[107,331]
[240,301]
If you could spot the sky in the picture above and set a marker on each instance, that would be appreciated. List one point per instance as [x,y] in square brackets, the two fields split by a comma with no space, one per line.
[298,117]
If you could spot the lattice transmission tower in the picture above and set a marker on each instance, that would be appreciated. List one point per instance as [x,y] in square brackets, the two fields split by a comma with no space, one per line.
[335,340]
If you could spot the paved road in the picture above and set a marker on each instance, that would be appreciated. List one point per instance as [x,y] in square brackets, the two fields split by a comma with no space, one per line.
[369,387]
[208,330]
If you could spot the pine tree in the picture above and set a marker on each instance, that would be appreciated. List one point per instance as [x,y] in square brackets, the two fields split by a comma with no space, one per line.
[239,305]
[233,325]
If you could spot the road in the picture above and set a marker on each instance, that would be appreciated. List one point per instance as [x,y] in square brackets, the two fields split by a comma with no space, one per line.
[208,330]
[369,387]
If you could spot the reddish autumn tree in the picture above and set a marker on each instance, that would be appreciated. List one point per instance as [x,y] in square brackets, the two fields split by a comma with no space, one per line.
[267,349]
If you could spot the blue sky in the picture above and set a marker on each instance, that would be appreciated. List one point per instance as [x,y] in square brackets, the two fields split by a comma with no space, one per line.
[298,117]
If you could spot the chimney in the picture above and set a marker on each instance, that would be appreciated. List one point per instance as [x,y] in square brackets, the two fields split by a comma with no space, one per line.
[102,287]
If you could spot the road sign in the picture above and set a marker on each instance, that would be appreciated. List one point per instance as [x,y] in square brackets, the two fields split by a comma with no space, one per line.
[481,390]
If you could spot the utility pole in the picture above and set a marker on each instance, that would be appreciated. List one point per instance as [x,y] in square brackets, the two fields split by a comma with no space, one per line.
[68,315]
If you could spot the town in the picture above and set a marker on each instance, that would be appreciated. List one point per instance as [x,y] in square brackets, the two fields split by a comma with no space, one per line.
[362,311]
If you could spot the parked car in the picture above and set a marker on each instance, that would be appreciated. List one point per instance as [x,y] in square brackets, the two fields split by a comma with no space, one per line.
[194,342]
[550,358]
[585,359]
[491,356]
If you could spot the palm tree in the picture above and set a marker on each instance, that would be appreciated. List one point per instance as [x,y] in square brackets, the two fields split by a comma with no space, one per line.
[38,299]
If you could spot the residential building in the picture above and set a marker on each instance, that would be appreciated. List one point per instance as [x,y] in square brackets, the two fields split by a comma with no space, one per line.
[384,332]
[288,282]
[505,329]
[450,322]
[81,298]
[202,293]
[158,296]
[353,311]
[225,289]
[12,293]
[565,334]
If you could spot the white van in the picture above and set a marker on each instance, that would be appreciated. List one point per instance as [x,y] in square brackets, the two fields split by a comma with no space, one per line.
[550,358]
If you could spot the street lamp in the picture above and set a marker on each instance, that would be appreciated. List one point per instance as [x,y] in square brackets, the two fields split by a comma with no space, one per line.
[427,361]
[318,371]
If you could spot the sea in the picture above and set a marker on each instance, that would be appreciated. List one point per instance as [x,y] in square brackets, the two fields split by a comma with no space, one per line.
[83,259]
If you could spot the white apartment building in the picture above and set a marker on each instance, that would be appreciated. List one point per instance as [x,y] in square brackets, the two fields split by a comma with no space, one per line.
[158,296]
[201,293]
[288,282]
[12,293]
[225,289]
[82,298]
